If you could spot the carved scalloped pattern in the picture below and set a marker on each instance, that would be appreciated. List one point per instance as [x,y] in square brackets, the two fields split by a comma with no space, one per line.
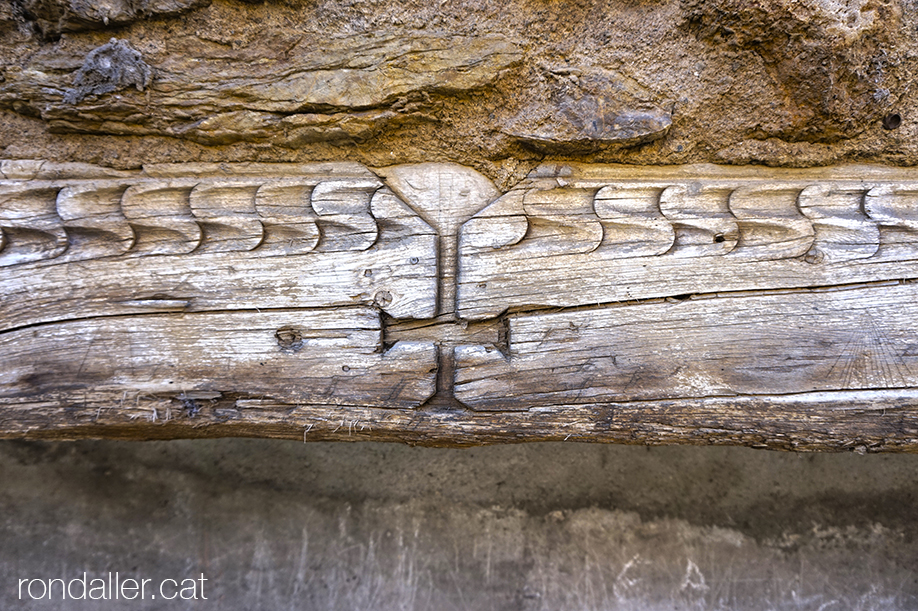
[73,220]
[821,222]
[107,215]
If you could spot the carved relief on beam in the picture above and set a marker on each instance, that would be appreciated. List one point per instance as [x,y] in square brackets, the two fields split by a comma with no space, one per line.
[87,220]
[211,237]
[260,292]
[277,277]
[631,234]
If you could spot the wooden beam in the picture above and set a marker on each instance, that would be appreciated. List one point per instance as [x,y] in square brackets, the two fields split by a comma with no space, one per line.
[697,304]
[786,342]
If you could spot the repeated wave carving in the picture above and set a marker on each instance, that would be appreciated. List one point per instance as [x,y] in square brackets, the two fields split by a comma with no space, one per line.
[75,218]
[821,223]
[71,220]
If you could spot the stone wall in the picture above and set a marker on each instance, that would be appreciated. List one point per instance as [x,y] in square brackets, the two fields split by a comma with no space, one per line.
[287,525]
[491,84]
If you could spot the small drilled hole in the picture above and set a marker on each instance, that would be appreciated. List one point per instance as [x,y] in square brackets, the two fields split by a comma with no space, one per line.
[719,238]
[892,121]
[382,298]
[289,339]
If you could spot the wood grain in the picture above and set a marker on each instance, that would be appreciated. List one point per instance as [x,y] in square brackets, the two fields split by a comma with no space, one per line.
[716,345]
[861,421]
[327,355]
[696,304]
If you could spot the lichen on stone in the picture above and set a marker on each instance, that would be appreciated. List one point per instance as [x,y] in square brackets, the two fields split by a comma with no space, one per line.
[113,66]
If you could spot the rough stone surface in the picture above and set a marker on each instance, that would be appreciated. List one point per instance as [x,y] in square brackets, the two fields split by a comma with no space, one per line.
[51,17]
[835,61]
[293,94]
[493,85]
[586,110]
[286,525]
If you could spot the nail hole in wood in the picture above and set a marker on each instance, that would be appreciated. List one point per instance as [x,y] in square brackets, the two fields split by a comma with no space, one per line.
[383,298]
[289,339]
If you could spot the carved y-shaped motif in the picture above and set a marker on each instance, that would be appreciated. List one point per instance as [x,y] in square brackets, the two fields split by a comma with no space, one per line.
[331,284]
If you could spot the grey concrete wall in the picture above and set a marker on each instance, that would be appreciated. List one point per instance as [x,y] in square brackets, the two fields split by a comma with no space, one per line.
[280,525]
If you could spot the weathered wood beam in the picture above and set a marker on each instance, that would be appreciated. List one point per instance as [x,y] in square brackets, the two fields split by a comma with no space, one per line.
[863,421]
[697,304]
